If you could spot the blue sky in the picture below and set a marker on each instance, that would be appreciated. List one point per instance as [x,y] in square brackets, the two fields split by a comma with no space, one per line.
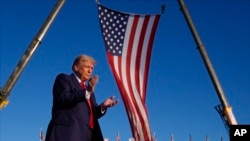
[180,94]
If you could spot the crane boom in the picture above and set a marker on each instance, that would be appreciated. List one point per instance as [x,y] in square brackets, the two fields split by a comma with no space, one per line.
[227,113]
[5,92]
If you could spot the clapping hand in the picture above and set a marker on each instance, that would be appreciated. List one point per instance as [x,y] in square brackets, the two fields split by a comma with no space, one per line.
[110,102]
[91,83]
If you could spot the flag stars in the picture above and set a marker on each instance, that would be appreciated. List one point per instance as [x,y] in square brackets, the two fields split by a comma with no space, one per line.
[113,28]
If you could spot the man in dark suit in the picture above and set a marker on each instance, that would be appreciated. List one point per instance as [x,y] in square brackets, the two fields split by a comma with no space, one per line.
[75,112]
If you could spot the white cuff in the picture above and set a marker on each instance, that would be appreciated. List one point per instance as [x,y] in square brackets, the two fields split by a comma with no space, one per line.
[87,95]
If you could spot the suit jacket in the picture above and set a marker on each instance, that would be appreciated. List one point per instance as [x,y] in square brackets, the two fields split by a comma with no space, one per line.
[70,112]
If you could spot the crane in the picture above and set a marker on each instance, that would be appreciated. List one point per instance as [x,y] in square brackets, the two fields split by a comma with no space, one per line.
[5,91]
[225,110]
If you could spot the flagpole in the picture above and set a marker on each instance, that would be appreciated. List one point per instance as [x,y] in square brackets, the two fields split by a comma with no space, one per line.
[5,92]
[227,115]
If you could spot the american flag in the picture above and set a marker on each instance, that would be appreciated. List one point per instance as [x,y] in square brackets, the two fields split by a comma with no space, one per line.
[129,39]
[117,137]
[41,135]
[154,137]
[172,137]
[207,138]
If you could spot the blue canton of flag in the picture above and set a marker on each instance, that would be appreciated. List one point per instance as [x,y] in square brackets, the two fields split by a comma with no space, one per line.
[113,25]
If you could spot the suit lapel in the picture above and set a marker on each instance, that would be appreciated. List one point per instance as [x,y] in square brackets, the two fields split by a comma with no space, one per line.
[75,81]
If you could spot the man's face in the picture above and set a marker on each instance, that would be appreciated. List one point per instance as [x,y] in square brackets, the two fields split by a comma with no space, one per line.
[84,69]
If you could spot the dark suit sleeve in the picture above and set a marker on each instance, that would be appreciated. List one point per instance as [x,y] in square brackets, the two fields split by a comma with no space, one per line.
[98,111]
[65,91]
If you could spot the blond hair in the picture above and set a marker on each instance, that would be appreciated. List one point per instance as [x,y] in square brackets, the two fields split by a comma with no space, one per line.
[82,58]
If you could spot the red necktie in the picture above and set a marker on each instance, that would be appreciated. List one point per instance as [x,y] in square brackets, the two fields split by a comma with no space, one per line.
[91,118]
[83,85]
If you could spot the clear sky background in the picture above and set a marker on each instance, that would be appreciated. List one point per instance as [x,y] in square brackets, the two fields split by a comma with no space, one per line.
[180,94]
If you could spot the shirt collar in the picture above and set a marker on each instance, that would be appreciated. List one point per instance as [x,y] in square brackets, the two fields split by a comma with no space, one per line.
[78,79]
